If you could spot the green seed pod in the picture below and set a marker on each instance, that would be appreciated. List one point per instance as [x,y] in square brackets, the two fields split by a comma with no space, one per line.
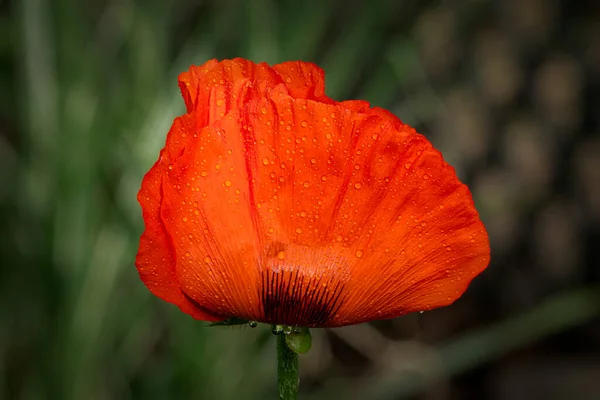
[299,342]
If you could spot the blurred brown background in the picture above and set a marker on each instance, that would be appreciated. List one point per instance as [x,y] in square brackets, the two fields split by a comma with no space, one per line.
[508,90]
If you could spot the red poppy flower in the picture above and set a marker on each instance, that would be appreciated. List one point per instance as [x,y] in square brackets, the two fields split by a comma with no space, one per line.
[272,202]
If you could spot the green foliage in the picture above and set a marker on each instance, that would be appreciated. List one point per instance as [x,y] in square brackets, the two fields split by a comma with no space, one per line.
[299,342]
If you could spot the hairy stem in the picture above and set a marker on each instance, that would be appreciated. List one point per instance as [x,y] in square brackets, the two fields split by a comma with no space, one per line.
[287,370]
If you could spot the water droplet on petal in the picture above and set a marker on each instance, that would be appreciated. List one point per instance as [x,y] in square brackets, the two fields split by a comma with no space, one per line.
[281,255]
[357,185]
[359,253]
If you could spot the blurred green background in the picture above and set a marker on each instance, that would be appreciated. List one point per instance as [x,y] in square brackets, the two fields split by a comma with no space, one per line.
[508,90]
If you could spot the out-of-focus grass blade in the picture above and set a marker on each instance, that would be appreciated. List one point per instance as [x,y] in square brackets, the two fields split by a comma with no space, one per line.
[381,88]
[351,51]
[86,343]
[39,99]
[262,33]
[303,26]
[485,345]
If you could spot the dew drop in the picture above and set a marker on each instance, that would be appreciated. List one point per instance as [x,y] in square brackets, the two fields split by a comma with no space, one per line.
[313,161]
[306,184]
[281,255]
[298,230]
[425,176]
[359,253]
[227,183]
[265,161]
[357,185]
[324,178]
[263,111]
[304,124]
[218,166]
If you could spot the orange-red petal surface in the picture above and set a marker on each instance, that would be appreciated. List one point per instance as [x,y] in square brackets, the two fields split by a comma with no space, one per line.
[155,259]
[271,202]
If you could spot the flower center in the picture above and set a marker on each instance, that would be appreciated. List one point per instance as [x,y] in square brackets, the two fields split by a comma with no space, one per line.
[299,288]
[291,298]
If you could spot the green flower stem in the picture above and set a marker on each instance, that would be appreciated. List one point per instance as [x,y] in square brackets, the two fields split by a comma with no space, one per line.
[287,370]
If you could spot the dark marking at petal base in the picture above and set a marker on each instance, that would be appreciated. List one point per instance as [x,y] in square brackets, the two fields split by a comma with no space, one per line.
[291,298]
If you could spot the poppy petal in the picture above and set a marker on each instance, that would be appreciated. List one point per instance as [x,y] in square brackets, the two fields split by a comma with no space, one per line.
[207,213]
[215,88]
[303,80]
[334,181]
[272,202]
[155,259]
